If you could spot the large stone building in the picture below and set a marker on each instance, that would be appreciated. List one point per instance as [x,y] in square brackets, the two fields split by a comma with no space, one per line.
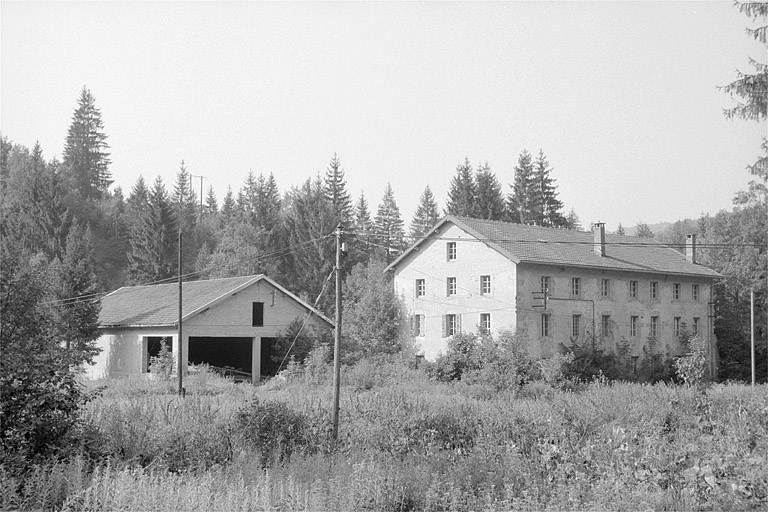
[228,322]
[471,274]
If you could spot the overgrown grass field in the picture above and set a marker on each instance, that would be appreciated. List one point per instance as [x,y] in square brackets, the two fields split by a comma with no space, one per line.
[407,443]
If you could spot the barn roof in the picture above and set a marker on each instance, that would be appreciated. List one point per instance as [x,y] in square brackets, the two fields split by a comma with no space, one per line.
[550,246]
[158,305]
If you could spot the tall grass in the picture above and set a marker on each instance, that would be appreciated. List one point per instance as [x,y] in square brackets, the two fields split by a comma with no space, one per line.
[408,443]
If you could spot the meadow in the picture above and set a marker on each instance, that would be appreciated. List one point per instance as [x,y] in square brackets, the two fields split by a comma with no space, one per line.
[406,442]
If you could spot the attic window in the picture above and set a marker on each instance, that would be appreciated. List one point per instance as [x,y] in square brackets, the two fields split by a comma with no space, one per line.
[258,314]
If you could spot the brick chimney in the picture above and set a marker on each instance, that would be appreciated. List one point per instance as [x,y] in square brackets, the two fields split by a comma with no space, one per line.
[690,248]
[598,228]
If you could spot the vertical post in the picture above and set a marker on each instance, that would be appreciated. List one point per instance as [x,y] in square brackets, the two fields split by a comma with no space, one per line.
[752,330]
[180,350]
[337,339]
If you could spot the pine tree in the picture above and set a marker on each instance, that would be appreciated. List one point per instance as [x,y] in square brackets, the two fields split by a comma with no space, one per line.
[269,204]
[426,215]
[362,217]
[228,207]
[184,199]
[153,239]
[572,221]
[490,200]
[335,189]
[86,159]
[548,207]
[389,225]
[520,202]
[620,230]
[211,206]
[462,193]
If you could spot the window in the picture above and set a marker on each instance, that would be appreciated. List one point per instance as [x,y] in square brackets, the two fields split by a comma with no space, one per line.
[677,327]
[606,326]
[545,325]
[675,291]
[633,289]
[576,326]
[634,321]
[575,286]
[451,251]
[451,286]
[485,322]
[485,285]
[545,280]
[417,326]
[695,325]
[257,318]
[654,289]
[695,292]
[421,288]
[451,325]
[605,287]
[654,327]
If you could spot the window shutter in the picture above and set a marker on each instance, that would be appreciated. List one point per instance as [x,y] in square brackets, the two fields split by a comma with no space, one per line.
[413,326]
[445,326]
[458,324]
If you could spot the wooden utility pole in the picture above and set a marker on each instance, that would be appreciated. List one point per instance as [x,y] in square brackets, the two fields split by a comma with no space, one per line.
[201,191]
[752,329]
[180,348]
[337,339]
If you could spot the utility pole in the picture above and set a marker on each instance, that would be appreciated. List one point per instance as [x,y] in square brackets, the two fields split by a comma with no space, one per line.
[337,339]
[201,192]
[752,329]
[180,349]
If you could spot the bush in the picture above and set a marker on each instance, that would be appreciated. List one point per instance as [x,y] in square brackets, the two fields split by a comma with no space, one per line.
[275,430]
[162,365]
[690,367]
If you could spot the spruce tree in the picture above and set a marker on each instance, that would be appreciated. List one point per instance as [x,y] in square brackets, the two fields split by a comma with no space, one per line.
[335,189]
[228,207]
[426,215]
[462,193]
[362,217]
[185,206]
[211,205]
[489,201]
[153,240]
[86,159]
[620,230]
[548,207]
[388,225]
[520,203]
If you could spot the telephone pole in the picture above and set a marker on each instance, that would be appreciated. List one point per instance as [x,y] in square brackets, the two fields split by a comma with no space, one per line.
[337,339]
[180,350]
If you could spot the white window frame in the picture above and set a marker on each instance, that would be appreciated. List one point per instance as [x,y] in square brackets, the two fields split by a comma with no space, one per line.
[485,322]
[605,288]
[695,292]
[633,289]
[450,251]
[654,331]
[576,326]
[485,285]
[450,287]
[676,291]
[634,323]
[546,330]
[653,290]
[576,286]
[421,287]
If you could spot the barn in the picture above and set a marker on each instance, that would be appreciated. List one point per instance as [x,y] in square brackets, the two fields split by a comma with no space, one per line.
[227,323]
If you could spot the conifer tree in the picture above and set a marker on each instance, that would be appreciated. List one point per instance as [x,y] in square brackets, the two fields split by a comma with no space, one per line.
[335,189]
[620,230]
[572,221]
[463,192]
[86,159]
[184,199]
[228,207]
[644,231]
[520,203]
[211,205]
[548,206]
[426,215]
[153,240]
[362,217]
[388,225]
[489,202]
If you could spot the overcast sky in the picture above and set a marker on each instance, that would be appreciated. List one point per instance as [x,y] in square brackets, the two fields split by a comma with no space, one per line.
[621,96]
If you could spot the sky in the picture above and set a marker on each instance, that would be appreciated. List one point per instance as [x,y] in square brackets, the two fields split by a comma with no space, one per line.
[621,96]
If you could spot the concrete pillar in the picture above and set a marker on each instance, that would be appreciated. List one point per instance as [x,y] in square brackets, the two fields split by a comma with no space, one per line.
[256,361]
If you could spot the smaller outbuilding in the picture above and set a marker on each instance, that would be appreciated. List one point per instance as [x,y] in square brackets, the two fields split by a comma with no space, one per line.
[229,323]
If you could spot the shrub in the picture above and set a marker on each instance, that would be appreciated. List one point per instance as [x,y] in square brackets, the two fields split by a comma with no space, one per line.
[274,429]
[690,367]
[162,365]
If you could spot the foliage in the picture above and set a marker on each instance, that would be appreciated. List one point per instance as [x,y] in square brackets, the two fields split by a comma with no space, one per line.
[388,226]
[373,315]
[489,200]
[274,429]
[86,160]
[163,364]
[500,363]
[426,215]
[643,231]
[656,366]
[335,187]
[462,194]
[690,367]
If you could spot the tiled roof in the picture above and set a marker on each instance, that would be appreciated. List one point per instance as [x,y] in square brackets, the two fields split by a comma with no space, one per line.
[158,304]
[550,246]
